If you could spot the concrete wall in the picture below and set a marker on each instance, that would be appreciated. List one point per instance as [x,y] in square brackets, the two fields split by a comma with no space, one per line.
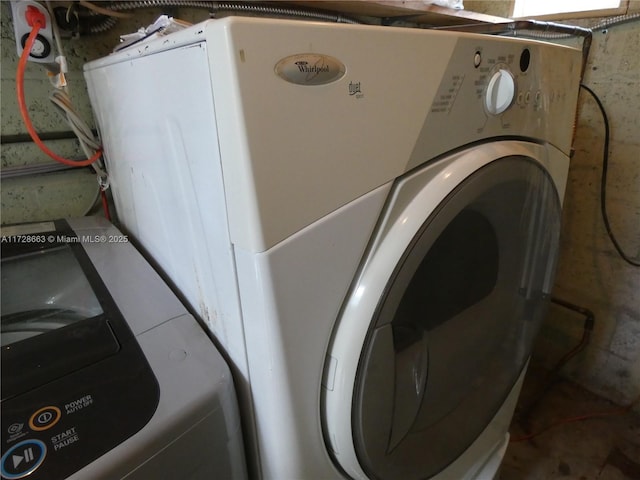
[591,273]
[499,8]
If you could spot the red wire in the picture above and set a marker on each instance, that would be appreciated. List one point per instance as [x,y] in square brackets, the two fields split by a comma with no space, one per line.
[616,411]
[105,204]
[25,112]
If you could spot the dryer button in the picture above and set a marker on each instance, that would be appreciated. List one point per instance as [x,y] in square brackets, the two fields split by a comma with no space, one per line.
[477,59]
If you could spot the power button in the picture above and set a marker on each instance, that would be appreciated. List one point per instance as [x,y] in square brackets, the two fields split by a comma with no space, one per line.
[44,418]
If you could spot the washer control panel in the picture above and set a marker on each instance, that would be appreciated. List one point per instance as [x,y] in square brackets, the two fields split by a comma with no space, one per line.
[53,440]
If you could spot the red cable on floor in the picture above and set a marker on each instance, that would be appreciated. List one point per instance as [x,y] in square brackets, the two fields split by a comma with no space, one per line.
[25,112]
[606,413]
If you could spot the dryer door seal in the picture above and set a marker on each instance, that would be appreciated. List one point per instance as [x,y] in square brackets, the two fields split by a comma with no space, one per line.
[455,322]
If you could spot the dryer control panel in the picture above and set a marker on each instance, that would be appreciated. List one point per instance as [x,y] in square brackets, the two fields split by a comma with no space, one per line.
[496,88]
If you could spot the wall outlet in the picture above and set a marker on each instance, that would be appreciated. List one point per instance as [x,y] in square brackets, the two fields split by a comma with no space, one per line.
[42,51]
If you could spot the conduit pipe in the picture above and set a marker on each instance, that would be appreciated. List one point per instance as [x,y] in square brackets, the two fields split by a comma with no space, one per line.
[216,7]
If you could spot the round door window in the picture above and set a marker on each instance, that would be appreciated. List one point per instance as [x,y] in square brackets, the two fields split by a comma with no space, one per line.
[456,323]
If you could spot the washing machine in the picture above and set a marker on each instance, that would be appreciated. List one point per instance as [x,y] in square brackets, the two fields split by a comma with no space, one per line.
[367,219]
[105,375]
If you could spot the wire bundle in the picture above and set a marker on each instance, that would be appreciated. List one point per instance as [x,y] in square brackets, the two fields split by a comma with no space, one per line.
[25,112]
[60,98]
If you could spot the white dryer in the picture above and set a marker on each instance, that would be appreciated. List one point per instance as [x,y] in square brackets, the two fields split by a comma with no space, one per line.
[367,218]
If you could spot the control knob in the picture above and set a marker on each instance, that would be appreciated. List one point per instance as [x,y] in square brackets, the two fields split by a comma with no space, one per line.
[500,92]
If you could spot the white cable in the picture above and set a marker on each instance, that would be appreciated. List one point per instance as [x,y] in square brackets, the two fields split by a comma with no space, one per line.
[57,78]
[63,102]
[87,141]
[55,29]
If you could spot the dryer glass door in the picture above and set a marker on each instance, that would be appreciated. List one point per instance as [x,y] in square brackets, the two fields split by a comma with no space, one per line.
[455,325]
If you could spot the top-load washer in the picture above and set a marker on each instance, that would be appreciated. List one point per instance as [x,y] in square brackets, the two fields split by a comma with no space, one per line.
[367,218]
[105,375]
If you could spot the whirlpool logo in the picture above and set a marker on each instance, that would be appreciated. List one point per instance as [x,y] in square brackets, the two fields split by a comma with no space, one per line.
[304,67]
[310,69]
